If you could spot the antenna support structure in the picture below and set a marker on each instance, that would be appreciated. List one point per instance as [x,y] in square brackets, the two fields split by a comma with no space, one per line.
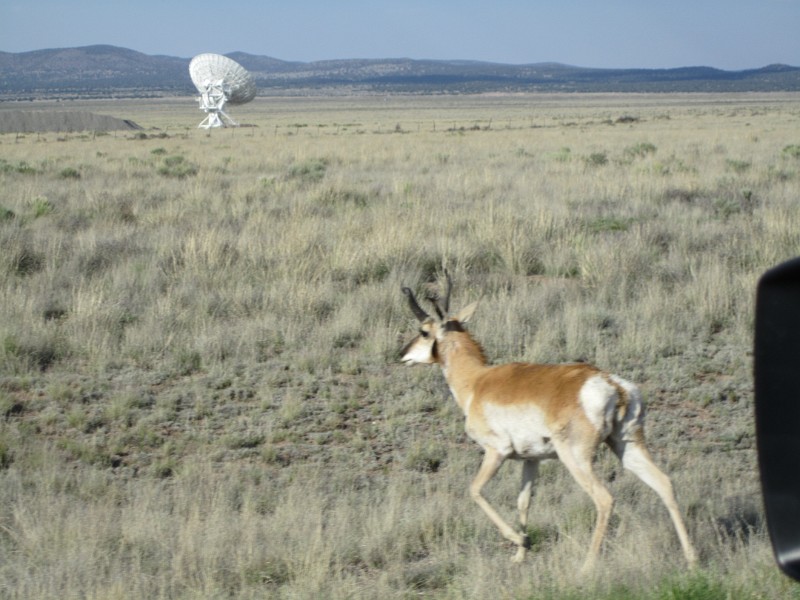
[212,99]
[220,81]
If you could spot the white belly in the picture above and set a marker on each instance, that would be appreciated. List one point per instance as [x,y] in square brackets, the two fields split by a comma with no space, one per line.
[516,432]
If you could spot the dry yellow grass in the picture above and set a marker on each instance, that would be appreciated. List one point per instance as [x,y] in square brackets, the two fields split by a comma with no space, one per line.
[198,336]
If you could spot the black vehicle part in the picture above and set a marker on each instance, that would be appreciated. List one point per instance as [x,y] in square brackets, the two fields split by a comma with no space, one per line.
[777,408]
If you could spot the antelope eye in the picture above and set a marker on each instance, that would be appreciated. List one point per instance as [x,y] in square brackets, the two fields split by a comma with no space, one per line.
[424,333]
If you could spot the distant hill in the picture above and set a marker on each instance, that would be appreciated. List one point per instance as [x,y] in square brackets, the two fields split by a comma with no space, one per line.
[103,71]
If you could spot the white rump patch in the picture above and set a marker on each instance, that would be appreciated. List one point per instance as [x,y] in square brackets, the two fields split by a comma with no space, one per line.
[599,399]
[634,414]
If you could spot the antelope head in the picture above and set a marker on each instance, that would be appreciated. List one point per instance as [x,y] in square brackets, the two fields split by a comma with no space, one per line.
[432,329]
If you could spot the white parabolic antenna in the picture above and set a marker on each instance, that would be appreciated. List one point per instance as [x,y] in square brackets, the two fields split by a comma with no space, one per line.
[220,80]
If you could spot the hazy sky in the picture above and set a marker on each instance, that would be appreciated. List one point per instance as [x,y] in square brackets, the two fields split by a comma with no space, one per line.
[735,34]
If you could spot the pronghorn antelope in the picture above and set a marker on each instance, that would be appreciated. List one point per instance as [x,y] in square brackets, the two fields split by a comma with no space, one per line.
[532,412]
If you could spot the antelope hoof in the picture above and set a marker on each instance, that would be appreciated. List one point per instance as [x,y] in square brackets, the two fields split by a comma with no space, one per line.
[522,549]
[588,568]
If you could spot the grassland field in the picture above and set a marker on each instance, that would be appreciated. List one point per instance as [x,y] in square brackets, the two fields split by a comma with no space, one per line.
[199,332]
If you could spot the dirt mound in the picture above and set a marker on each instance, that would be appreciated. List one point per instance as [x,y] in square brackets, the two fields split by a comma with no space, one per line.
[31,121]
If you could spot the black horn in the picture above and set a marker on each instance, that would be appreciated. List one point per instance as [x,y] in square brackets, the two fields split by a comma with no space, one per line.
[446,305]
[443,308]
[415,307]
[434,300]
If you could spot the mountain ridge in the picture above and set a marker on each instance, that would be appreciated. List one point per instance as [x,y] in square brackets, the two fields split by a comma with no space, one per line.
[104,70]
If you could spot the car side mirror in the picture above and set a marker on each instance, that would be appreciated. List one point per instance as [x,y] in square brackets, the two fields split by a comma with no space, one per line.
[777,408]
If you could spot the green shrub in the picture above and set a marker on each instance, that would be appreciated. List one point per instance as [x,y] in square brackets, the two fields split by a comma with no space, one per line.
[738,166]
[243,441]
[188,362]
[177,166]
[792,151]
[6,454]
[338,197]
[21,167]
[563,155]
[33,352]
[69,173]
[425,456]
[602,224]
[640,150]
[309,171]
[23,259]
[371,271]
[164,468]
[697,586]
[596,159]
[41,207]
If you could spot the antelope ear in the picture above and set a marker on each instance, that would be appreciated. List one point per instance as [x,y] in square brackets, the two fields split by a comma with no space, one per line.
[465,314]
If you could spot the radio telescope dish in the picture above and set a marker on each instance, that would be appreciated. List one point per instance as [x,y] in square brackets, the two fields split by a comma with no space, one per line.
[220,81]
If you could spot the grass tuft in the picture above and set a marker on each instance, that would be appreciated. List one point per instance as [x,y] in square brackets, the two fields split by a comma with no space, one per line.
[177,166]
[309,171]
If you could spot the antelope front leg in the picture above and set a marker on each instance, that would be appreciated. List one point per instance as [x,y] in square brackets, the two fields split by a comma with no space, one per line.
[492,461]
